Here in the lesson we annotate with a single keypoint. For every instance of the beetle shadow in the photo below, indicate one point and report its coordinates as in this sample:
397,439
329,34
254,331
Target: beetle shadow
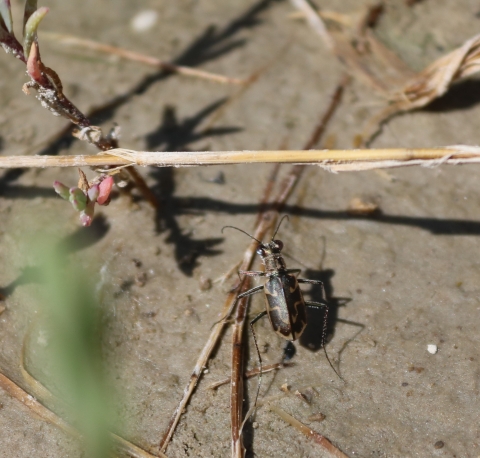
313,336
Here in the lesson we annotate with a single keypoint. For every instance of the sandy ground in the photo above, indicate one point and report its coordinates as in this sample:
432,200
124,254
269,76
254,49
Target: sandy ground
410,275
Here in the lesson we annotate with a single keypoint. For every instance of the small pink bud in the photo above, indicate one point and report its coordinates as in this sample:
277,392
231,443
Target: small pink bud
85,219
78,199
61,190
86,216
33,64
105,190
93,193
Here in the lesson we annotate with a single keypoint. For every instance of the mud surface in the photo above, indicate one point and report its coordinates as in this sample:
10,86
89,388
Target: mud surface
409,276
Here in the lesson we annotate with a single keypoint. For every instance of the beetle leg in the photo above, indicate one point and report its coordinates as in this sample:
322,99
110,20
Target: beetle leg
254,290
252,273
260,315
293,271
251,291
313,282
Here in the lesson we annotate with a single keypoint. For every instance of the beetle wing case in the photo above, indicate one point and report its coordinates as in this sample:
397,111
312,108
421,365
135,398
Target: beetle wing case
285,306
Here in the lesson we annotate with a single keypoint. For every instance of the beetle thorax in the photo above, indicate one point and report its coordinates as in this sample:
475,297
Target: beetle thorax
272,257
274,262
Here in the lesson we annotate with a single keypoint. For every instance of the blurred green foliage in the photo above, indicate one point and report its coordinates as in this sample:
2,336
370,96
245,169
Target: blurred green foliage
72,317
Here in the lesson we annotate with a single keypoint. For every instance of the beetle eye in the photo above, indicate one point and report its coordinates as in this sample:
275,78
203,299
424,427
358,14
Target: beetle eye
261,251
279,244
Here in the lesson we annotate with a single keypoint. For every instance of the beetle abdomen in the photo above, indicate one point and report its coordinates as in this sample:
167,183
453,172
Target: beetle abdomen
285,306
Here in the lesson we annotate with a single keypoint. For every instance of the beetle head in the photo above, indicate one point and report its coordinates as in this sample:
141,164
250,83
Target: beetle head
267,249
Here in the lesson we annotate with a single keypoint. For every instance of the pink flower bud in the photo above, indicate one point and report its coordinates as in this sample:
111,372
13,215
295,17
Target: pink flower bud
93,193
105,190
86,216
62,190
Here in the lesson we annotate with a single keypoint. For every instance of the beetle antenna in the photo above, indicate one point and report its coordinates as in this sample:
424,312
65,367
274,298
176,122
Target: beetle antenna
241,230
279,224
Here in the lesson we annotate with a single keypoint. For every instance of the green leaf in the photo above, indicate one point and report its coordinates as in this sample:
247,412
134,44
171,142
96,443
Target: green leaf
6,15
30,8
71,317
78,199
62,190
30,30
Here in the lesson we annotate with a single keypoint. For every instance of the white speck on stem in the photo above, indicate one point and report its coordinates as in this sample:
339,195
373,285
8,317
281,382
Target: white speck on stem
431,348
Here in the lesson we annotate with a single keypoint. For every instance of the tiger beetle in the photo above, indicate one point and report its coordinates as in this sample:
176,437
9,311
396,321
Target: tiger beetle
284,302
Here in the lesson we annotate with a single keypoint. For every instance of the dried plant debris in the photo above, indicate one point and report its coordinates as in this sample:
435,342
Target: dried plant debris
372,63
428,85
322,441
362,206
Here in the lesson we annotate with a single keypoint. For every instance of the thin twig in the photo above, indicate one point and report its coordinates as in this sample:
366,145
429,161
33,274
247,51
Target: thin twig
339,18
332,160
320,129
309,432
236,386
314,21
70,40
29,401
142,187
252,373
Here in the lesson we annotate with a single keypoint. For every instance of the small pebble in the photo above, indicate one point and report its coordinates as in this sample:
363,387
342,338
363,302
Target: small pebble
439,444
301,396
205,283
431,348
317,417
141,279
285,388
144,21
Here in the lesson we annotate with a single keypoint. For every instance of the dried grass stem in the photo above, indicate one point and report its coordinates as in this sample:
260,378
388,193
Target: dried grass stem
333,160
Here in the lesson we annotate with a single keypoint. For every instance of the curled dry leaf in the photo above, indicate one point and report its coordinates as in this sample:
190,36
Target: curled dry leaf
435,80
428,85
